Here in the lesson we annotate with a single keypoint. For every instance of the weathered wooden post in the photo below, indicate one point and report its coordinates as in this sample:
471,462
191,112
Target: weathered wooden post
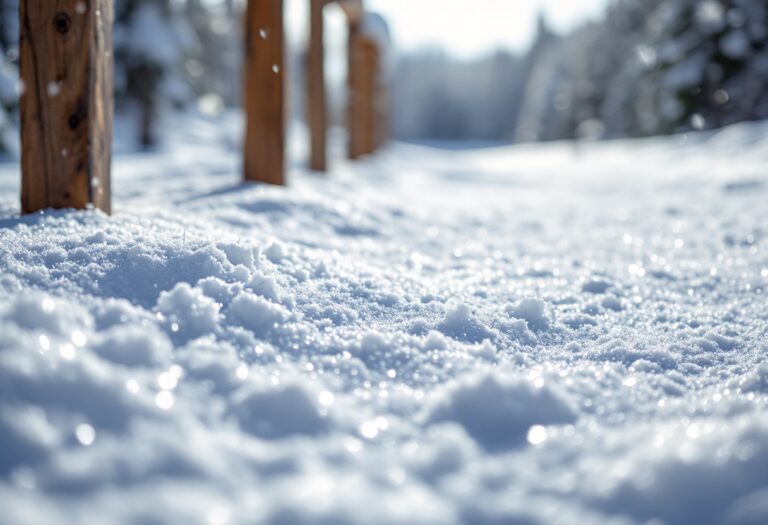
364,57
382,103
66,105
317,106
316,97
264,92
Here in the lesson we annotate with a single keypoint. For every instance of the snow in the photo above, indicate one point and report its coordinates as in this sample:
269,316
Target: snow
375,27
562,333
532,311
498,412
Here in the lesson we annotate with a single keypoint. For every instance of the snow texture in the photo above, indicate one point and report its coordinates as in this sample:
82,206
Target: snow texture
533,335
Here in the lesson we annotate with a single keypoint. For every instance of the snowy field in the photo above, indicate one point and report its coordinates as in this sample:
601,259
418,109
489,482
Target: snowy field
514,336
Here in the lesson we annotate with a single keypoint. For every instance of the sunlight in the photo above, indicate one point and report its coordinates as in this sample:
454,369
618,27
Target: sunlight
464,28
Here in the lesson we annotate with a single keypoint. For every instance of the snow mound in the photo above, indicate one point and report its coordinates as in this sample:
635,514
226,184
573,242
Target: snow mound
460,324
532,311
499,411
130,347
280,411
666,475
188,311
257,314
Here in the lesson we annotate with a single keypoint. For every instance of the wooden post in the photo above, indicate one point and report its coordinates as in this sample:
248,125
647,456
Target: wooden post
317,105
66,106
370,92
264,92
354,148
362,86
382,104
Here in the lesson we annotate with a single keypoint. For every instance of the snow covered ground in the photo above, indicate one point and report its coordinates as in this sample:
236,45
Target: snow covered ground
530,335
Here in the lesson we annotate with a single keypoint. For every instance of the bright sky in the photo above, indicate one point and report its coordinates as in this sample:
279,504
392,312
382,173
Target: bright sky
468,27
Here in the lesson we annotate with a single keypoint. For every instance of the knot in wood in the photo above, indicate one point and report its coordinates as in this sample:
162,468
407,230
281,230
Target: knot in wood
62,23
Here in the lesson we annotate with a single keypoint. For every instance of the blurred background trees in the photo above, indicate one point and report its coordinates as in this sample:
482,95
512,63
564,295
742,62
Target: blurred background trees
152,40
647,67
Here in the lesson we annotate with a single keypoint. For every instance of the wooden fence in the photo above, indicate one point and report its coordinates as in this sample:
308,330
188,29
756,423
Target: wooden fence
66,107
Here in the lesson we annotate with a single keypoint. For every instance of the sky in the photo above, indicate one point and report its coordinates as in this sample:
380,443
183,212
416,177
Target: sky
467,28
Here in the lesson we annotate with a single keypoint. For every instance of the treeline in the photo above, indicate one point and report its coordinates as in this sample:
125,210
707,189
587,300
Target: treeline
648,67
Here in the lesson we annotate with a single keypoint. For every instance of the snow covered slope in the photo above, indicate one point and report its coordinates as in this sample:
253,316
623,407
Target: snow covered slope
529,335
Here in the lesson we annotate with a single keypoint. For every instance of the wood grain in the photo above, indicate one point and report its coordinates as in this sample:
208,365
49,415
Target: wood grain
66,106
264,95
362,80
317,105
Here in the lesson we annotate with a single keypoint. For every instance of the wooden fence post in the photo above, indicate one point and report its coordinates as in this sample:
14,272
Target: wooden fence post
264,92
317,105
66,105
382,103
364,58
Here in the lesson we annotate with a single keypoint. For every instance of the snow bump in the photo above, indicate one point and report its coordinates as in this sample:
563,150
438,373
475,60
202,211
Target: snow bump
280,411
532,311
459,323
498,411
257,314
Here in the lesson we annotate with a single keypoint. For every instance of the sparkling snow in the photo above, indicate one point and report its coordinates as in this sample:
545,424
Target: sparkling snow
530,335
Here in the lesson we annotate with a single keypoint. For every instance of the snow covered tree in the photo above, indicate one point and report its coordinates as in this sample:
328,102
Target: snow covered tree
592,82
713,62
152,40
